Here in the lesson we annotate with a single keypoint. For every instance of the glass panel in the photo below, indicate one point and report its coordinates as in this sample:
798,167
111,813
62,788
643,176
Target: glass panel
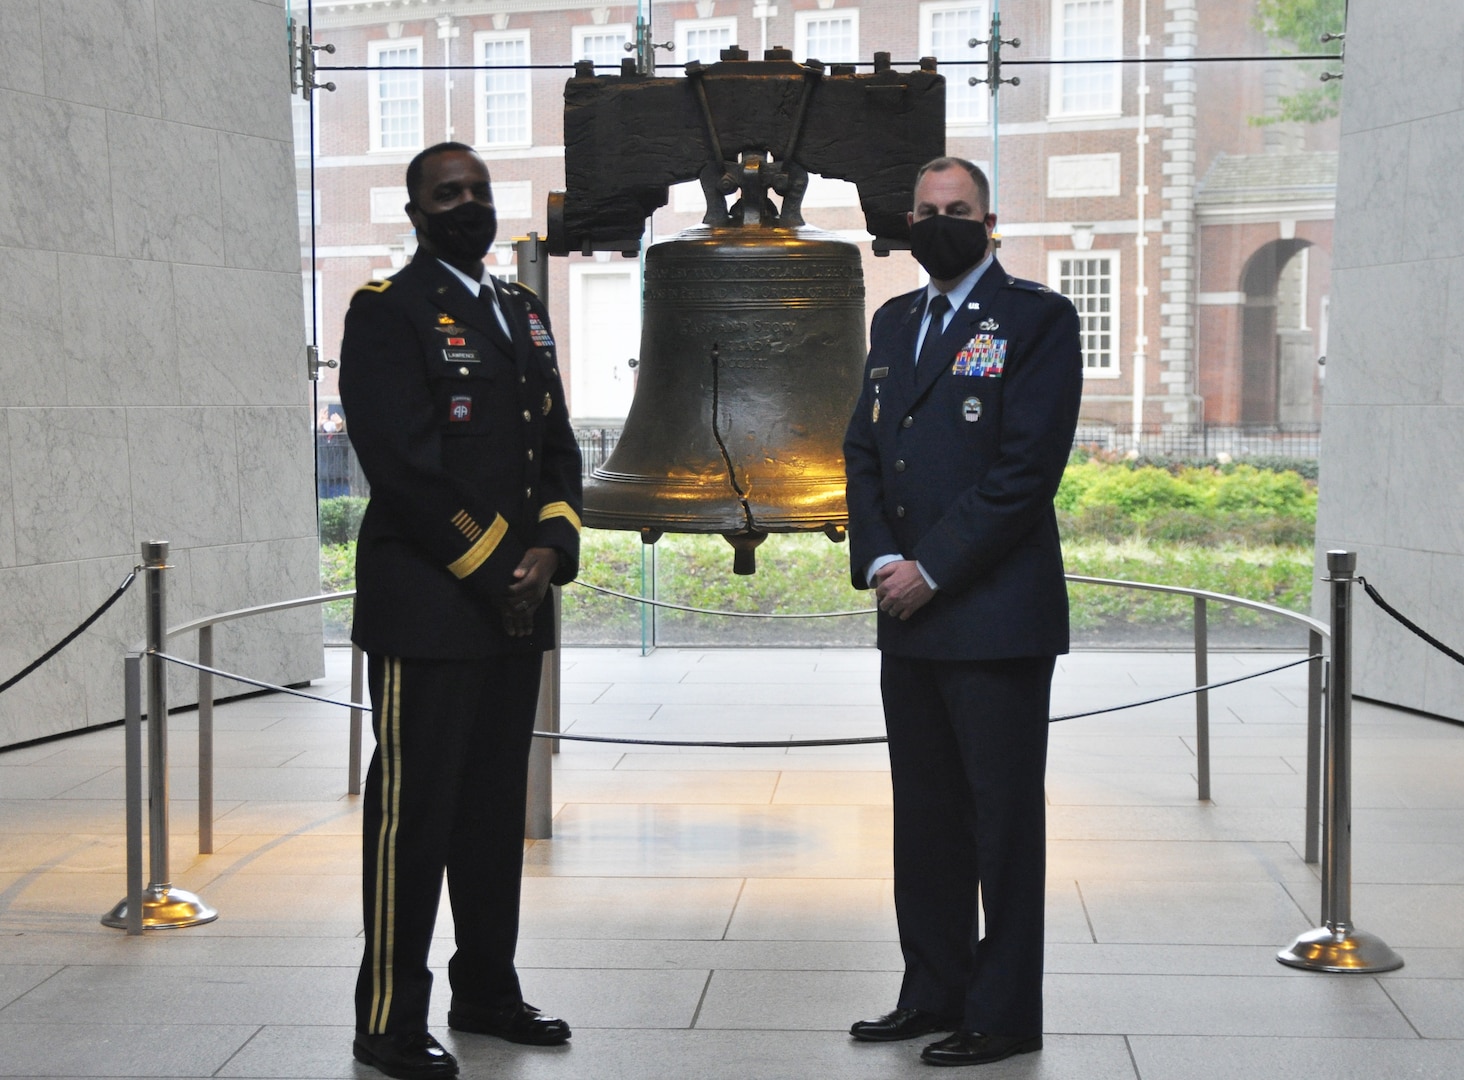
1185,206
1171,170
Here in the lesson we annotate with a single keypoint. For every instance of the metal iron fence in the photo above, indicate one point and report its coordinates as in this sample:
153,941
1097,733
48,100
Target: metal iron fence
339,473
1204,442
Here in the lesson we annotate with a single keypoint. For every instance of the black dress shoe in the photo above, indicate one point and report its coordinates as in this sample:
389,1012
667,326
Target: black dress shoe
411,1055
973,1048
902,1024
519,1023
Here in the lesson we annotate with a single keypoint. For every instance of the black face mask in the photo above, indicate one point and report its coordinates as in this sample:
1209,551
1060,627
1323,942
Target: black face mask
948,246
461,234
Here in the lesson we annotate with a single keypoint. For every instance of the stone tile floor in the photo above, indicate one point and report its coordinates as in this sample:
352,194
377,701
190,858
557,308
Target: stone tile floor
727,913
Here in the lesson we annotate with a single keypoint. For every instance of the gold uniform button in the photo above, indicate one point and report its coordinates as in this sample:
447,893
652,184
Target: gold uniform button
899,511
528,493
462,371
907,422
528,416
522,380
531,455
900,465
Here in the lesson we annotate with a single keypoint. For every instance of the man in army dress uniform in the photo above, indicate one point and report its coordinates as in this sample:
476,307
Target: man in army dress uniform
953,454
451,386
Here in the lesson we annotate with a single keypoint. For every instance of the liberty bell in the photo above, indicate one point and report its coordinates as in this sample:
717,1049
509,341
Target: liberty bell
753,338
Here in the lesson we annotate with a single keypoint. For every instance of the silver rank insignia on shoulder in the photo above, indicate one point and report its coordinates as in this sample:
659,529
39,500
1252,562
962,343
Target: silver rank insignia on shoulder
971,410
989,324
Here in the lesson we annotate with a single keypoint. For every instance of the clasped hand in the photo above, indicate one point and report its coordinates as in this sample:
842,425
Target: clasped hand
900,589
531,580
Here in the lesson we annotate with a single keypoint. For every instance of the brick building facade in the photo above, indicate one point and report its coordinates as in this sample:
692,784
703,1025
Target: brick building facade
1194,240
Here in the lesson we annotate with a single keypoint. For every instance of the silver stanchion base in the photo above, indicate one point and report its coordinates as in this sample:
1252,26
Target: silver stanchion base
1341,948
163,908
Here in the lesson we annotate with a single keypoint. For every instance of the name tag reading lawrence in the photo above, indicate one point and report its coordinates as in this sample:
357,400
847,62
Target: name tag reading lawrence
879,372
461,356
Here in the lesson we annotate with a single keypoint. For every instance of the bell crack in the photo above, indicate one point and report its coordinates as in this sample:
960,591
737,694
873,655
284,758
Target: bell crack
749,525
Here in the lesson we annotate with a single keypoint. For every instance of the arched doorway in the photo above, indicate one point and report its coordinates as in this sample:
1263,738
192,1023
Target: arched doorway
1279,381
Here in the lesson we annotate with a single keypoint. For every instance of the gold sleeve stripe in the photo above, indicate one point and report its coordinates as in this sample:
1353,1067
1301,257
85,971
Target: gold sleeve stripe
560,509
478,554
466,525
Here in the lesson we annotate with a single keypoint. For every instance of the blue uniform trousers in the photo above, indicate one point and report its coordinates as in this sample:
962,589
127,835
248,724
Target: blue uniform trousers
968,750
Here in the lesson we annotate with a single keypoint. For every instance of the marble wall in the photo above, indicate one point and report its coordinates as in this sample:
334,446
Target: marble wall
1392,469
152,371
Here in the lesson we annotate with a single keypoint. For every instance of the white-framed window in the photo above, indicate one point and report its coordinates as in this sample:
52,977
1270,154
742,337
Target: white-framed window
300,116
1082,29
307,207
831,36
1090,280
603,45
503,89
396,96
946,28
314,317
703,40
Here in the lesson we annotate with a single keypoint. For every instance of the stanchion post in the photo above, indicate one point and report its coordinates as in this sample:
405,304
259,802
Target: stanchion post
539,811
1314,682
1337,945
1202,699
132,754
358,687
532,257
556,674
162,905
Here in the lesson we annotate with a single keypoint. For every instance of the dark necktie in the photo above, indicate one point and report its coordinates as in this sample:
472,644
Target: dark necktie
489,296
930,350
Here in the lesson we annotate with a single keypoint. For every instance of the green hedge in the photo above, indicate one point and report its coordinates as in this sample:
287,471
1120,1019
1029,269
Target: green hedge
1142,493
340,518
1233,529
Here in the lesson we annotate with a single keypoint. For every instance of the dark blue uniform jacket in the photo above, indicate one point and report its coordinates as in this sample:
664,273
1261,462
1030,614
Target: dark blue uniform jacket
956,465
465,439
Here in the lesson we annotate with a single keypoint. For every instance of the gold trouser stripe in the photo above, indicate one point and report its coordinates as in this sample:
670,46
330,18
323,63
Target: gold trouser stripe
478,554
560,509
384,917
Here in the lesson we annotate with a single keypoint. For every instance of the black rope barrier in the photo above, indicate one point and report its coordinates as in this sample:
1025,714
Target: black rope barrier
1377,598
69,638
741,744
